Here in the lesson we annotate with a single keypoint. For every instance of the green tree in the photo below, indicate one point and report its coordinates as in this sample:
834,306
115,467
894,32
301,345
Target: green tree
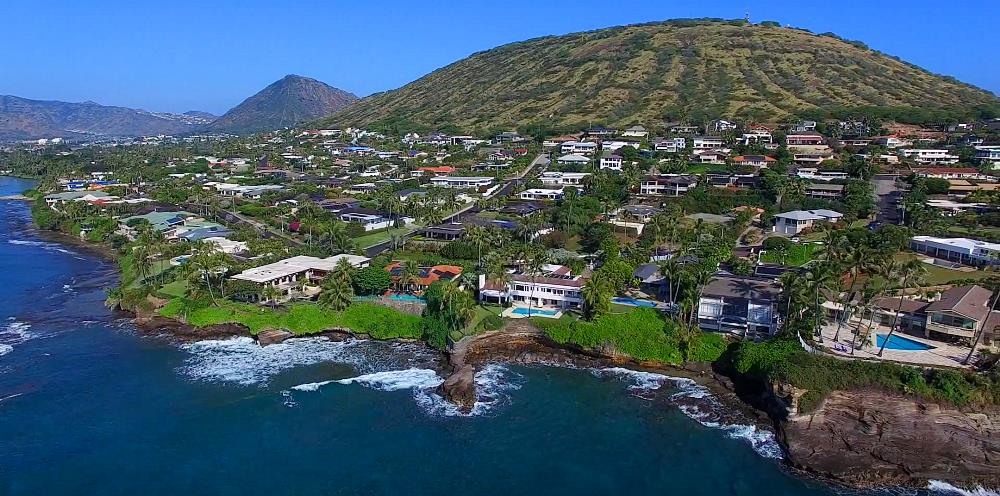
371,281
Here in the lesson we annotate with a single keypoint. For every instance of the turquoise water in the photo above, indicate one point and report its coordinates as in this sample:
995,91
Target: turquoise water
897,342
87,406
633,302
534,311
407,297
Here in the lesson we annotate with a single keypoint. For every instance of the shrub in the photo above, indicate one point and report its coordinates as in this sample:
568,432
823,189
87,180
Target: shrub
642,334
777,243
491,322
707,347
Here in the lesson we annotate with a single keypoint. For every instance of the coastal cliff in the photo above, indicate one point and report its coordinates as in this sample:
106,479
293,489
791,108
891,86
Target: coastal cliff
876,438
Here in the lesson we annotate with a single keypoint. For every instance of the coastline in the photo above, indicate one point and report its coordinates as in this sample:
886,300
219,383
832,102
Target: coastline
520,343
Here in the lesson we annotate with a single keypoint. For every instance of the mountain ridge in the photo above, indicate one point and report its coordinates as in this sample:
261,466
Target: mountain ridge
650,72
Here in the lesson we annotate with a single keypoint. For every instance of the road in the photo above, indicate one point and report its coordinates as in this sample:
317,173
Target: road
504,190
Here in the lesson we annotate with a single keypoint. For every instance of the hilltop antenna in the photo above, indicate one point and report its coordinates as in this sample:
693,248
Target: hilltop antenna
746,16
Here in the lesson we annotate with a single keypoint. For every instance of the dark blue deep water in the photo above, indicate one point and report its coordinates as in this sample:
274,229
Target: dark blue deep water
87,406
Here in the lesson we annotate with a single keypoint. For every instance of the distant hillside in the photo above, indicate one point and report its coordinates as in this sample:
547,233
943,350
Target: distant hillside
289,101
21,118
684,69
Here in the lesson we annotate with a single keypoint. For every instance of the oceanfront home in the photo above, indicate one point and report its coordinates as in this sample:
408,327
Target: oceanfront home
954,316
284,274
796,221
555,287
961,250
739,305
424,277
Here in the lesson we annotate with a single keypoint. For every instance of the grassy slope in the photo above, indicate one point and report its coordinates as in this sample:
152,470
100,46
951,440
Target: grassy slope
643,73
302,318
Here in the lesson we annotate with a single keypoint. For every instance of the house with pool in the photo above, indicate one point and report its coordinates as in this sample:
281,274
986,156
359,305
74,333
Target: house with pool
954,316
285,275
555,287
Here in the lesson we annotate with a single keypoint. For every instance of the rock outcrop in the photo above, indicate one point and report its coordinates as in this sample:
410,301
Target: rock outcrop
460,388
869,439
272,336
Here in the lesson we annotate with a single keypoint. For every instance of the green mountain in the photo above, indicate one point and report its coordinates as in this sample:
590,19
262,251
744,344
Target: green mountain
681,69
289,101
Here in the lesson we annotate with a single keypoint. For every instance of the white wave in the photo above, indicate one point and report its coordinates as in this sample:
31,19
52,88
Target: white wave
641,381
13,334
946,488
311,386
41,244
706,411
494,383
394,380
241,360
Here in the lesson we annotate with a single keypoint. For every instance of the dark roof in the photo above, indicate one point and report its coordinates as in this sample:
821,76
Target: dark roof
451,228
521,208
909,306
968,301
645,271
743,287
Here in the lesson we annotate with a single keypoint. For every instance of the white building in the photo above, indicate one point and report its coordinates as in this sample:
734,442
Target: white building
542,194
667,185
555,287
794,222
739,305
580,147
610,160
461,182
962,250
989,155
636,132
283,274
563,178
928,156
669,145
814,174
706,142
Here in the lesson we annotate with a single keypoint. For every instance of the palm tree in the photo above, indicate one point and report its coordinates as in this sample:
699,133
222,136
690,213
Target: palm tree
337,293
982,325
698,277
343,271
820,276
596,297
410,275
910,272
476,235
671,270
271,293
874,288
859,258
457,307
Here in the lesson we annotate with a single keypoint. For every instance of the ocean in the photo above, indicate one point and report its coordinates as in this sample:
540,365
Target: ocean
88,406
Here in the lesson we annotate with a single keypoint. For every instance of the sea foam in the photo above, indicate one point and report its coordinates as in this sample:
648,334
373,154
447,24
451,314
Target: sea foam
13,334
946,488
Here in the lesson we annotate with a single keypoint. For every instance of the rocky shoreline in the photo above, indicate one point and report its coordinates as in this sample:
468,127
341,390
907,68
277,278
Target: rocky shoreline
856,439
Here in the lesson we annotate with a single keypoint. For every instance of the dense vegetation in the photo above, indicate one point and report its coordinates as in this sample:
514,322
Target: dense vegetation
676,70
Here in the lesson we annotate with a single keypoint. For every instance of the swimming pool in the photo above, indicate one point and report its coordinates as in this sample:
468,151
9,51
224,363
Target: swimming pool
407,298
897,342
534,311
632,302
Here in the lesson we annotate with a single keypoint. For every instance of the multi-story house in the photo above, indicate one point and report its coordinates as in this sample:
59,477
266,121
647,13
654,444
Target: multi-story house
739,305
563,178
667,185
927,156
555,287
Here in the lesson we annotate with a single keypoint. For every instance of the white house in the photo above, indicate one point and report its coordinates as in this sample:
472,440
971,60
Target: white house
794,222
611,160
580,147
929,156
283,274
461,182
817,175
988,155
555,287
563,178
706,142
962,250
542,194
667,185
669,145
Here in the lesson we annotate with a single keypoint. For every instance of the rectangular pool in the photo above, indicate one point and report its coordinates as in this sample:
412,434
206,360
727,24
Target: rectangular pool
534,311
632,302
897,342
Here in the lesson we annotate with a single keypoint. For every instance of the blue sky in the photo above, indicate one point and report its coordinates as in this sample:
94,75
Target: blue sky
187,55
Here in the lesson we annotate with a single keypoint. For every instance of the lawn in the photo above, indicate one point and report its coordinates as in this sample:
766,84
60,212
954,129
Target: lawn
376,321
380,236
174,289
705,169
937,275
796,256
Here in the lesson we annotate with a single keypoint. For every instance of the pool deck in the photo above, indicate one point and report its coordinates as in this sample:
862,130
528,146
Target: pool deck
943,354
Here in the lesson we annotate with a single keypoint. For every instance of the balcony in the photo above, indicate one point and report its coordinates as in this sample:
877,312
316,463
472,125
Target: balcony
950,330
